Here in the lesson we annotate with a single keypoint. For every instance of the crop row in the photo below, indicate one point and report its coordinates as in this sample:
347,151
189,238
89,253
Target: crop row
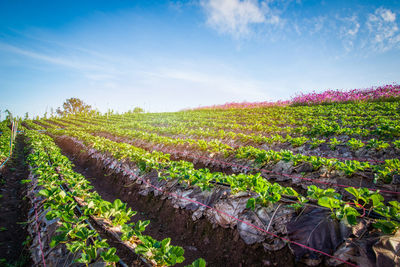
370,113
384,172
275,139
54,172
266,120
4,141
259,158
258,139
361,114
222,146
265,192
313,128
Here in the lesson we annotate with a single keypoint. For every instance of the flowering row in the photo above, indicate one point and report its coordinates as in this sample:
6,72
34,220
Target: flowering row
380,93
383,93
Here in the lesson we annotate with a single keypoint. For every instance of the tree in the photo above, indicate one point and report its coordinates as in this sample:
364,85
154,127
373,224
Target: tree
138,110
9,115
73,106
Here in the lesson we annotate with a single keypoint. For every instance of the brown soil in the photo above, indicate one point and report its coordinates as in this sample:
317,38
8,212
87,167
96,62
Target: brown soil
14,209
218,246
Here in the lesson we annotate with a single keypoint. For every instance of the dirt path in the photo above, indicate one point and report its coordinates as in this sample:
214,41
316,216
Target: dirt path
13,209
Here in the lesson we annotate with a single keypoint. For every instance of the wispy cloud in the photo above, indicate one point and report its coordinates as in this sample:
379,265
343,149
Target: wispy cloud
70,63
101,71
230,84
383,29
319,23
352,27
235,17
348,31
89,64
377,31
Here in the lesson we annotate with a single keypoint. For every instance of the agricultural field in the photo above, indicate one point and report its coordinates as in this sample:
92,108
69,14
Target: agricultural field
314,181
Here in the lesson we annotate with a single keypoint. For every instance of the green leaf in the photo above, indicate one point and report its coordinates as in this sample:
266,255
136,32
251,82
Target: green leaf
109,255
290,191
251,203
44,192
395,204
388,227
165,242
85,258
62,194
328,202
377,200
353,191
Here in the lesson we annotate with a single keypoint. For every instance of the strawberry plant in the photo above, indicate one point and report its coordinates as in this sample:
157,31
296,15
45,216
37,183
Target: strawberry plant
316,142
355,144
333,143
161,253
317,193
198,263
377,144
397,144
131,232
392,214
298,141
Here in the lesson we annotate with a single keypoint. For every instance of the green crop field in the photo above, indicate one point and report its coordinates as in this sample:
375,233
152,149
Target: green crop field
315,180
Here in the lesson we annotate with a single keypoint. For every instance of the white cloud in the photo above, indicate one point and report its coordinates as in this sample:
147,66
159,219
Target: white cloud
383,29
352,31
387,15
234,17
348,29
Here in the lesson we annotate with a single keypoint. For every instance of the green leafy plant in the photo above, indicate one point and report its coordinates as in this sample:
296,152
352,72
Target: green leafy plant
160,252
298,141
200,262
377,144
333,143
131,232
355,144
397,144
316,193
109,256
316,142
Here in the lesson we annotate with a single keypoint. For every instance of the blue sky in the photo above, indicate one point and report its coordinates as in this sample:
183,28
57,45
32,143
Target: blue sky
170,55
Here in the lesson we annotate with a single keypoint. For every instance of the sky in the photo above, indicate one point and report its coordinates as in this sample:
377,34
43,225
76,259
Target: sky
171,55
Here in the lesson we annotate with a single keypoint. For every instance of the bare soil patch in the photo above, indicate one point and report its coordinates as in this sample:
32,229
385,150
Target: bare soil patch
13,209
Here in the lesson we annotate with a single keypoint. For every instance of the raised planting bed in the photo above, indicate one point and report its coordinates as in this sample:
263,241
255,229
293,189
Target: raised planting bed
274,234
